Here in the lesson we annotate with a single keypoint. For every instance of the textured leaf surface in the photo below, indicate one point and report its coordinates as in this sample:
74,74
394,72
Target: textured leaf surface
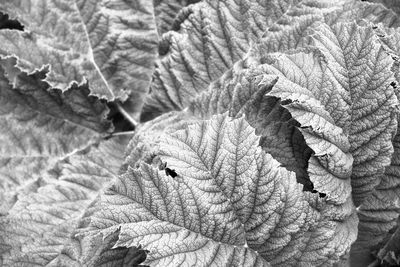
211,39
214,35
351,80
41,125
392,4
231,204
294,28
345,90
304,98
241,91
168,14
112,44
379,213
39,224
363,70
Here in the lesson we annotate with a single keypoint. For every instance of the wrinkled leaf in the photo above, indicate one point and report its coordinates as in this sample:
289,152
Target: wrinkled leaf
230,198
392,4
169,13
39,224
379,213
41,125
363,69
211,39
111,44
352,81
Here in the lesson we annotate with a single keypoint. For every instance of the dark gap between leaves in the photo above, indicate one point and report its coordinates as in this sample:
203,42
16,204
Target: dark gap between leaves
11,24
121,124
321,195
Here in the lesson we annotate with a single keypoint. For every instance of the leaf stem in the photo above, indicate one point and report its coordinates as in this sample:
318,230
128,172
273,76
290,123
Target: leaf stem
127,115
123,133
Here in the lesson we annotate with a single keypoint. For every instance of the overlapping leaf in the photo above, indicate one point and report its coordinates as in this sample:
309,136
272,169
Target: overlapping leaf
293,30
392,4
357,74
39,225
307,24
40,125
379,215
210,41
230,198
166,13
380,212
204,49
111,44
318,95
363,69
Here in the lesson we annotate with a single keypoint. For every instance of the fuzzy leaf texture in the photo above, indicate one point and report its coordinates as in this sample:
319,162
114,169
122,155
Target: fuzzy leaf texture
268,136
111,44
38,226
313,88
41,125
231,204
212,36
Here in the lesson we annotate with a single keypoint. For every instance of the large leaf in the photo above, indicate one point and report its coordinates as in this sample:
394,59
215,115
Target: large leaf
40,125
111,44
353,82
209,41
379,214
363,69
213,35
242,90
335,43
329,168
230,204
40,223
293,30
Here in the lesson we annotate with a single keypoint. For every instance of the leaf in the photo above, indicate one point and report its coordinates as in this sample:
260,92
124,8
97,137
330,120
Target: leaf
142,145
314,24
169,13
392,4
241,91
203,48
363,69
345,90
42,125
288,107
231,204
111,44
380,212
329,93
210,41
96,250
40,223
294,28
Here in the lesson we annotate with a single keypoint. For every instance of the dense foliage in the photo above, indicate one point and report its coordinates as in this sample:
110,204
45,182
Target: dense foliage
199,133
